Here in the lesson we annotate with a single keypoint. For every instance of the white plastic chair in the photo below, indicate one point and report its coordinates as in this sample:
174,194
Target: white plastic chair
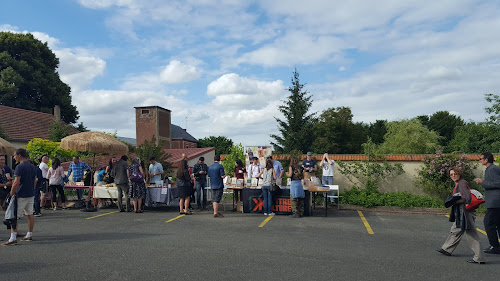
335,194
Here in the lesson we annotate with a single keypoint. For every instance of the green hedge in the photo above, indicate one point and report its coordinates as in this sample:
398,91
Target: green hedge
362,197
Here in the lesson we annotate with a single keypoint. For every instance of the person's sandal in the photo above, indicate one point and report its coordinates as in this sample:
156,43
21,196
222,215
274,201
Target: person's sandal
188,213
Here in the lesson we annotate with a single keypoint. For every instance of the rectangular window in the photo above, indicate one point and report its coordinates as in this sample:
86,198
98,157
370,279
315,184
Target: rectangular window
145,111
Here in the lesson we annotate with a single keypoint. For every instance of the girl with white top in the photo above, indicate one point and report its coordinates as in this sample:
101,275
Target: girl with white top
55,176
268,175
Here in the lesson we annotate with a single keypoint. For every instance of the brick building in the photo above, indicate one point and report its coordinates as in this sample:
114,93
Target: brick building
155,121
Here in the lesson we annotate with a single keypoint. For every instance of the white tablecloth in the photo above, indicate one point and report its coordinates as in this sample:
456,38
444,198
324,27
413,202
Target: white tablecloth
105,192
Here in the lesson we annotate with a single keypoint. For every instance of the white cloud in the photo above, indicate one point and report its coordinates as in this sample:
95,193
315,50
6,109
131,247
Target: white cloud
178,72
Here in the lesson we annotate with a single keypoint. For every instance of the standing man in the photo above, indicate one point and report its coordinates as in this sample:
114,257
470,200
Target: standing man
327,164
24,184
491,184
119,173
278,169
155,170
78,168
44,180
200,171
5,179
309,165
254,168
216,174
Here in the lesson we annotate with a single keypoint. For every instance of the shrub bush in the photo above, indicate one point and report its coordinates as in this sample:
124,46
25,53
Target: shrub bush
367,198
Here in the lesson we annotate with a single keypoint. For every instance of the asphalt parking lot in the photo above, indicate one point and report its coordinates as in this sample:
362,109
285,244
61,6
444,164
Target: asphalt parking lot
161,245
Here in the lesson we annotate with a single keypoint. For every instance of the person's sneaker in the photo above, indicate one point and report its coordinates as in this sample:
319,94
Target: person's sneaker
55,209
271,214
37,215
9,243
478,262
265,214
27,239
492,250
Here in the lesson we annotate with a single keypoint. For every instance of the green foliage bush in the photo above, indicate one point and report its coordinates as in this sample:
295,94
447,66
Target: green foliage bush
237,152
434,176
38,147
367,198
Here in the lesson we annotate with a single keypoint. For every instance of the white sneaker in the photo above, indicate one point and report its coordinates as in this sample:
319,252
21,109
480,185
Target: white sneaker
271,214
265,214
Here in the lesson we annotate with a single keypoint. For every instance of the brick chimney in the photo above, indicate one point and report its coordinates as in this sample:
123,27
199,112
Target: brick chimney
57,113
153,121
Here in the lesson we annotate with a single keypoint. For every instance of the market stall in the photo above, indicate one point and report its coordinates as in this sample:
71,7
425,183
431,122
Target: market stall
253,202
164,194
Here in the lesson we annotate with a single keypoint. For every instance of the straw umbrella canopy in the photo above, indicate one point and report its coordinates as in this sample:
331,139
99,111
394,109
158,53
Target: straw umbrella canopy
6,148
95,142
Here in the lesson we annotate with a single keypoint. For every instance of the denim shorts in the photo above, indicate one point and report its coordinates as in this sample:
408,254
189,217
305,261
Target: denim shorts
217,195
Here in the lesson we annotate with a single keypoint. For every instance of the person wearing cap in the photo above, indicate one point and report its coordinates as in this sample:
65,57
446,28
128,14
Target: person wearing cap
200,171
309,166
155,170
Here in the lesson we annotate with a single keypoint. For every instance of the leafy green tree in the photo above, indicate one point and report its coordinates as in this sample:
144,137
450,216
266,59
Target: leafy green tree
150,148
222,144
58,131
296,130
237,152
493,109
443,123
80,127
336,133
476,138
409,137
29,78
377,131
38,147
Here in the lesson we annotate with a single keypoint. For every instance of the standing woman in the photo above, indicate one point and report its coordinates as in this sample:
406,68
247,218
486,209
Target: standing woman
297,193
138,188
55,176
464,221
268,175
109,168
240,173
183,182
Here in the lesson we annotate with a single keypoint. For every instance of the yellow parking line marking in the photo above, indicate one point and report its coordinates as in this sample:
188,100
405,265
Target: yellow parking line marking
365,222
178,217
265,221
102,215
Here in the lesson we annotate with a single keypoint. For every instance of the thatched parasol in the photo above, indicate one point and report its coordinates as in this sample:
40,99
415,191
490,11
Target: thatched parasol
6,148
95,142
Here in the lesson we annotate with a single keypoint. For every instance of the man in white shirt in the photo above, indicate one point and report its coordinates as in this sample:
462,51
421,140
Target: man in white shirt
254,168
327,164
45,181
155,170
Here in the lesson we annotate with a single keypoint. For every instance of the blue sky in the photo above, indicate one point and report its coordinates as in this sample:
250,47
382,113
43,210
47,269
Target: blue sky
225,64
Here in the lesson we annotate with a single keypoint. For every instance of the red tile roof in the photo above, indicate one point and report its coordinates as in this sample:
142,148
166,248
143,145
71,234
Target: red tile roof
24,125
176,154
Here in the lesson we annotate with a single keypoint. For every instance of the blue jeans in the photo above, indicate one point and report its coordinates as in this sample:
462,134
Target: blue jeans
36,202
268,199
200,187
328,180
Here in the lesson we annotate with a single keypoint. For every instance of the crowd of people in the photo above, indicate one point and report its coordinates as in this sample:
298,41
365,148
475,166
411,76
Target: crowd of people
25,190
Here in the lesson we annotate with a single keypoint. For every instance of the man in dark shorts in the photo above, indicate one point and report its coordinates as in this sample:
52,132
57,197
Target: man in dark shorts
216,174
24,184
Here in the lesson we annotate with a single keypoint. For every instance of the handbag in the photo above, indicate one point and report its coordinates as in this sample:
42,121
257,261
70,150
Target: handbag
136,176
476,200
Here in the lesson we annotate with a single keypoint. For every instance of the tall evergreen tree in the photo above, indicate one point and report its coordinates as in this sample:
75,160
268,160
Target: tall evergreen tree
29,78
296,130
